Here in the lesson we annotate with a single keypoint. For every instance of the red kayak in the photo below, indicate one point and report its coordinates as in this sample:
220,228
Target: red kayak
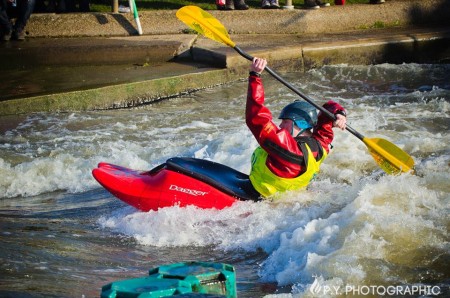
179,181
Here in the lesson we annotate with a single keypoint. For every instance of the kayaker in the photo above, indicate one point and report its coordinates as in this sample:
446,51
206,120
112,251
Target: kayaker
289,155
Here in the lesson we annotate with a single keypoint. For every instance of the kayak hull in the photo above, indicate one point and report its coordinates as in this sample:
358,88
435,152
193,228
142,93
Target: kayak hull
172,184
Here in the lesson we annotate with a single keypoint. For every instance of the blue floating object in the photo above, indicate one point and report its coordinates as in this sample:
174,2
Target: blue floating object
204,277
145,287
186,279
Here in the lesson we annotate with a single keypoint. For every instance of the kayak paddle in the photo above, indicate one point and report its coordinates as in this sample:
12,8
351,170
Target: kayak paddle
388,156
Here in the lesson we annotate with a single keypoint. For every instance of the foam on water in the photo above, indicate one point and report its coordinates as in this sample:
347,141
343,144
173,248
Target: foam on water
377,231
57,152
353,225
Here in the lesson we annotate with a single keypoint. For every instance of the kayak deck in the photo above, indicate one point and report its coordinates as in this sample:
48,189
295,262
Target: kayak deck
178,181
222,177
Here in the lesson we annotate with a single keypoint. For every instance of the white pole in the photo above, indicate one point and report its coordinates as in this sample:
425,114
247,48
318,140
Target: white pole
136,18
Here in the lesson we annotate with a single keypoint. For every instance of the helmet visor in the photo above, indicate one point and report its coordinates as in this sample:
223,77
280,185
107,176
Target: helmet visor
302,124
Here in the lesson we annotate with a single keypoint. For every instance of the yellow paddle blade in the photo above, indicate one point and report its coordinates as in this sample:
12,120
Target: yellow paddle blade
205,24
389,157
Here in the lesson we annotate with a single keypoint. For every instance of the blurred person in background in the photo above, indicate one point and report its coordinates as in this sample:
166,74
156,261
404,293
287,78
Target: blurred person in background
20,10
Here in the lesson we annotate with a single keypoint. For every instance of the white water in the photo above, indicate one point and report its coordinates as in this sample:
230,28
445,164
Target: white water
353,225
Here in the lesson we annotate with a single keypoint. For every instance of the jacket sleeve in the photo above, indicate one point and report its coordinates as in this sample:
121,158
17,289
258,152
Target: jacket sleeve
260,122
323,131
257,116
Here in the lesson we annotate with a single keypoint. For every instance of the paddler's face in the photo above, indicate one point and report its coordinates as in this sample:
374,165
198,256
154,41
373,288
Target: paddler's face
288,124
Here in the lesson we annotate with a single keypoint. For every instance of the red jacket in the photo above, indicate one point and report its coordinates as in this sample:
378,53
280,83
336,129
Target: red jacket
259,121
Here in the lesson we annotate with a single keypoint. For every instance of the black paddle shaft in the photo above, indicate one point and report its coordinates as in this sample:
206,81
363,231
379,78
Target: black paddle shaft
298,92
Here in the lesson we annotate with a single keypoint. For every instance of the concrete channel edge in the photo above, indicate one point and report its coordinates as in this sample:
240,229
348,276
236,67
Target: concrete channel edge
397,49
118,96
